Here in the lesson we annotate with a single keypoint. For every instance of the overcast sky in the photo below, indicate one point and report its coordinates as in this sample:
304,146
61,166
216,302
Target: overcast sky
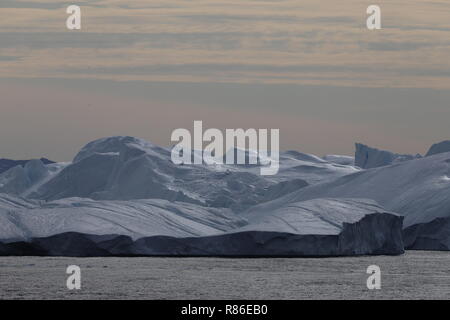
143,68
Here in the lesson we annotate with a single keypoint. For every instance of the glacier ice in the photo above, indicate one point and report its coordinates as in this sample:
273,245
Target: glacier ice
123,196
340,159
441,147
367,157
6,164
160,227
433,235
127,168
416,189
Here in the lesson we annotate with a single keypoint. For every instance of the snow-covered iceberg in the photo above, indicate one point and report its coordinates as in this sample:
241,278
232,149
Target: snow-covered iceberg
123,195
441,147
127,168
6,164
340,159
418,189
433,235
160,227
367,157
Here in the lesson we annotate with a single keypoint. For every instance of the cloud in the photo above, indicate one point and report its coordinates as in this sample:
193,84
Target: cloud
239,41
49,5
401,46
9,58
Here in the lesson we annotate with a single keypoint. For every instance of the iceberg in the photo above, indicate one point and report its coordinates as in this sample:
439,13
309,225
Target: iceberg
6,164
433,235
441,147
367,157
83,227
124,196
128,168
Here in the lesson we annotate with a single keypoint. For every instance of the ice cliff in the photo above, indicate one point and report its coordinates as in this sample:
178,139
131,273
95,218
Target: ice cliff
367,157
160,227
441,147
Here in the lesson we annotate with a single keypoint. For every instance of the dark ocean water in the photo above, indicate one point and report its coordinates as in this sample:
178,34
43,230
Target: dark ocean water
415,275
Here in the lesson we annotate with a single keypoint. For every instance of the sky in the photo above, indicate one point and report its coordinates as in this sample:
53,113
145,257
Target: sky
144,68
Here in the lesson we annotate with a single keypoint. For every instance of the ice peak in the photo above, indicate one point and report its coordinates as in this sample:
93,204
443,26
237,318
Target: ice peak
440,147
367,157
124,145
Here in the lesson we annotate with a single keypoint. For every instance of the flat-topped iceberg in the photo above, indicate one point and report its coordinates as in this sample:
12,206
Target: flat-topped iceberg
160,227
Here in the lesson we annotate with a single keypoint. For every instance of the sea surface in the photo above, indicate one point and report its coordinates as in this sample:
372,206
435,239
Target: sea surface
414,275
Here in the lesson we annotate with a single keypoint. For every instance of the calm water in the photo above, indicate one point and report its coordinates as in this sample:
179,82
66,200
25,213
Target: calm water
415,275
